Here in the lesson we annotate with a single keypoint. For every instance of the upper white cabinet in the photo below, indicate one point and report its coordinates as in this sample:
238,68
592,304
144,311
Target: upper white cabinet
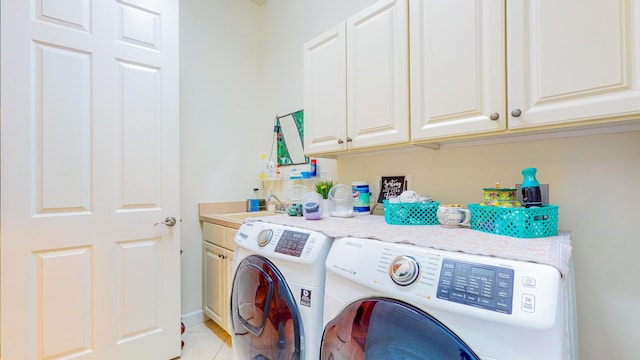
457,68
572,61
566,63
357,82
325,92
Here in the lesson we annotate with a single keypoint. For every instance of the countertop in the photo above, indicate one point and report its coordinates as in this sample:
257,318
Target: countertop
229,214
551,250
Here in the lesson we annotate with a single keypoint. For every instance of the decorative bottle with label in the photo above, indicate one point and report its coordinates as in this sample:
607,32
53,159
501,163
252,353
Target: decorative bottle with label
531,195
313,165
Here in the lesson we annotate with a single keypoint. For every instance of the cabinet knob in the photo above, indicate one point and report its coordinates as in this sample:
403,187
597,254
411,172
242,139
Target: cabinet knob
340,141
349,139
494,116
516,113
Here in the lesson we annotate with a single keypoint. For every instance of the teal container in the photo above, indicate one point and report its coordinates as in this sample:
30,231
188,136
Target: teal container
516,222
530,177
411,213
531,194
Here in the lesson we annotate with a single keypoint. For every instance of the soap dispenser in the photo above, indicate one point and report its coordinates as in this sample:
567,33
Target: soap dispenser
531,194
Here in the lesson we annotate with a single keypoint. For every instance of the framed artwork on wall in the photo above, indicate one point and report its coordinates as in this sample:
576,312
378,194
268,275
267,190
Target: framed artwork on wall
290,132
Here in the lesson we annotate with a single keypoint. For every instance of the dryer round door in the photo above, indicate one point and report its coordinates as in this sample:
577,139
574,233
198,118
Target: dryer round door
381,328
265,318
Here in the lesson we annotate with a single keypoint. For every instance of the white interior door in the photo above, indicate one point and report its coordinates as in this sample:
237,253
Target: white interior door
90,143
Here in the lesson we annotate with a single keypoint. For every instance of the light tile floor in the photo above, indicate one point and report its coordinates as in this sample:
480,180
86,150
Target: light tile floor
206,341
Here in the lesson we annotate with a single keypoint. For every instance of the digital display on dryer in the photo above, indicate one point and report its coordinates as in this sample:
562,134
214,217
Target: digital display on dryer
292,243
484,286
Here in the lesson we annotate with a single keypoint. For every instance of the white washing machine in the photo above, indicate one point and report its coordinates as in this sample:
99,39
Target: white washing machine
278,292
397,301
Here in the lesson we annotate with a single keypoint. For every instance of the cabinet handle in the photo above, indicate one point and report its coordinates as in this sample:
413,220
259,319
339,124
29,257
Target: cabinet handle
349,139
340,141
516,113
494,116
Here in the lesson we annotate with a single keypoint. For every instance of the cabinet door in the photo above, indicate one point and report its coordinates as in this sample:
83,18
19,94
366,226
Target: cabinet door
572,60
378,75
325,108
228,263
457,68
214,283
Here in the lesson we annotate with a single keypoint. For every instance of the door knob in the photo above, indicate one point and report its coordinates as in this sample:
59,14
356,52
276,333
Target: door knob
169,221
516,113
494,116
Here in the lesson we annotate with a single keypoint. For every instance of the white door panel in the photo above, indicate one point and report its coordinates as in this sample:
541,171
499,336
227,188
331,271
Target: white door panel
139,136
90,143
61,162
63,271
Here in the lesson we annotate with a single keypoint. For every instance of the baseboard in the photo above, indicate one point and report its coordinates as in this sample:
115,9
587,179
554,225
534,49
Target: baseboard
194,318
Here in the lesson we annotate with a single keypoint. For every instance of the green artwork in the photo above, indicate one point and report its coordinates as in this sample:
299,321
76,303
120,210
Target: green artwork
291,139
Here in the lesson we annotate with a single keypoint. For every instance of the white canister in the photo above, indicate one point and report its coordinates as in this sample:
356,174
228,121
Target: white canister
360,193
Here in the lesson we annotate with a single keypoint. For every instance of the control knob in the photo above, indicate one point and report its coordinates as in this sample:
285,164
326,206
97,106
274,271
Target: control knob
264,237
404,270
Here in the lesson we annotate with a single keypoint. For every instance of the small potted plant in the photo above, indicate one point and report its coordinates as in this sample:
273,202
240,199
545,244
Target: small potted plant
323,187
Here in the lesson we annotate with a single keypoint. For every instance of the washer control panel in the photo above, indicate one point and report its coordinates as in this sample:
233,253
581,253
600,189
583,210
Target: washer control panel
499,290
292,243
480,285
283,242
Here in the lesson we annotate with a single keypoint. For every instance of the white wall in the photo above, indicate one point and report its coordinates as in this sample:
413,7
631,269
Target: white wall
223,122
594,179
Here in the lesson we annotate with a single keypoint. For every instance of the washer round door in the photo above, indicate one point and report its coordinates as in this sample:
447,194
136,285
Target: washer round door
265,318
381,328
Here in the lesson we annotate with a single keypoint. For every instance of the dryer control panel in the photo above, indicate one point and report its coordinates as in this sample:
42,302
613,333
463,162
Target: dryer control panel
479,285
283,242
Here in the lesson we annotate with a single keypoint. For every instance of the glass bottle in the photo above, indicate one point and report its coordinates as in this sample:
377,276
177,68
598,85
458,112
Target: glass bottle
531,195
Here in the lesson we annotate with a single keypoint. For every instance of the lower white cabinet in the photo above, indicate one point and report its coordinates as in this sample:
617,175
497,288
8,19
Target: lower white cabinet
217,276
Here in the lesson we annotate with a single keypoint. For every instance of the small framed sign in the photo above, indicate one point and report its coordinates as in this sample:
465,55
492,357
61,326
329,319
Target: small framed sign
391,186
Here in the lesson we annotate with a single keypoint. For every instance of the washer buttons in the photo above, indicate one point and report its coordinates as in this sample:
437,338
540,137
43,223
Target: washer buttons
528,303
529,282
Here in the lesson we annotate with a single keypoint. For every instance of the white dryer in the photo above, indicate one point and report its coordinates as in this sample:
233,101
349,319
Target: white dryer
278,291
397,301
